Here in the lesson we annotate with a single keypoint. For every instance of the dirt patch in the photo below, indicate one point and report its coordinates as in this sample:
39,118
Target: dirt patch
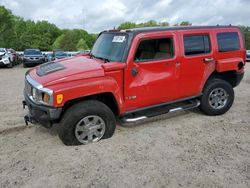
186,149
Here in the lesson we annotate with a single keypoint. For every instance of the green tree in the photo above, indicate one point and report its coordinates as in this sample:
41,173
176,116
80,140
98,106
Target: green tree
82,45
246,32
6,27
127,25
58,42
164,24
70,39
185,23
17,33
150,23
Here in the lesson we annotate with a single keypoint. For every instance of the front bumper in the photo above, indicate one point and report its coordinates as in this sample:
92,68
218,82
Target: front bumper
40,114
29,62
4,62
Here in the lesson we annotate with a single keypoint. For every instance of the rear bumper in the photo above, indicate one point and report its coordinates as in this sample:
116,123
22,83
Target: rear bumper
39,114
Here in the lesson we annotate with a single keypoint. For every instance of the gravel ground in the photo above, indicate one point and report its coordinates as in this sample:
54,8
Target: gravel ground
186,149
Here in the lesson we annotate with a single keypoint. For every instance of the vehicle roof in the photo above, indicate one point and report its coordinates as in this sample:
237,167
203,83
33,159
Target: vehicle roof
32,49
152,29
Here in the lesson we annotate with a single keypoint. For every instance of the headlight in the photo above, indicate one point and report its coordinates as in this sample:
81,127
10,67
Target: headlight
46,98
42,96
34,93
38,93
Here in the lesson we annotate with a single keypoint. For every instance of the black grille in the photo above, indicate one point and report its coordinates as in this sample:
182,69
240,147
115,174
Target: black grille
48,68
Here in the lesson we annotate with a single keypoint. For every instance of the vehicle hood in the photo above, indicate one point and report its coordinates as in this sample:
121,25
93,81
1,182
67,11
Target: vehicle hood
67,70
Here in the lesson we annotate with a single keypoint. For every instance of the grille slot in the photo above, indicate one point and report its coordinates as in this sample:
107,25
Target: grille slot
49,68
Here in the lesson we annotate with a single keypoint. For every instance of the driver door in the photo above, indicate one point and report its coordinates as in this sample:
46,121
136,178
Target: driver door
153,70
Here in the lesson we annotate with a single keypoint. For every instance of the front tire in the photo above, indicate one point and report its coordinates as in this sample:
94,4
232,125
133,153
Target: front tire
86,122
218,97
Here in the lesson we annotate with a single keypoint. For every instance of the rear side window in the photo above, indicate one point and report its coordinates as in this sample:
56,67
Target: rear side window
228,41
197,44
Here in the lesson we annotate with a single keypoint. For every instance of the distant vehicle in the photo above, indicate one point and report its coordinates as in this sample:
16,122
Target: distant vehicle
10,55
248,55
32,57
48,57
59,54
81,53
14,57
5,58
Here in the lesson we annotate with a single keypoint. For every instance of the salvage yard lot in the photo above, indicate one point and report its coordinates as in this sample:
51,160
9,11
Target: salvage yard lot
186,149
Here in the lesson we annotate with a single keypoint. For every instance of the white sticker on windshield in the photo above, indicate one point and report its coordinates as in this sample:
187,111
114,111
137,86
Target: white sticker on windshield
119,39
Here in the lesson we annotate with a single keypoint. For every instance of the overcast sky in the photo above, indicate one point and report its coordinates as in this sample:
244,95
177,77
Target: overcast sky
97,15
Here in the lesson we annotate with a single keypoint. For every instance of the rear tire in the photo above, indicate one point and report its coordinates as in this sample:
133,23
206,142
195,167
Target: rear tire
218,97
75,131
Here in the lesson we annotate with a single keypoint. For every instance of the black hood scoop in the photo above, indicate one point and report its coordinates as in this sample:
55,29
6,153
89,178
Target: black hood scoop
48,68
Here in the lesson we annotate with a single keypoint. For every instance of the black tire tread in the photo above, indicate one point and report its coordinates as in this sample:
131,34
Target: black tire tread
78,111
211,84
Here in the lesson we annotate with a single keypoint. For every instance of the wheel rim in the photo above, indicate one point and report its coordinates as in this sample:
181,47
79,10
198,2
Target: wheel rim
90,129
218,98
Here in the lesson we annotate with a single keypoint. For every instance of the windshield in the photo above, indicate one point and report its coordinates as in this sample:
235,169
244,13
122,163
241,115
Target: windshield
32,52
2,50
110,46
60,53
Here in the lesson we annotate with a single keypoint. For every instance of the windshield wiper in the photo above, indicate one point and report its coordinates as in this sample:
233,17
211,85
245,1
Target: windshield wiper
102,58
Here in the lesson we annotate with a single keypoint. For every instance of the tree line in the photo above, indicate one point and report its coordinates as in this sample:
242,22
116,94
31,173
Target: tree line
129,25
19,34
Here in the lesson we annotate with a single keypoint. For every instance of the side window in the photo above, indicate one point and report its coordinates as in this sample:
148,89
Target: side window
154,49
197,44
228,41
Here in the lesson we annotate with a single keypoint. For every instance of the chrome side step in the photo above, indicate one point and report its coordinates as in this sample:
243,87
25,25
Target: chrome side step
155,112
130,120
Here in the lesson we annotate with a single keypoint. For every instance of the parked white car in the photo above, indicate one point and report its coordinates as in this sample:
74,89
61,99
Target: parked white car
248,55
5,59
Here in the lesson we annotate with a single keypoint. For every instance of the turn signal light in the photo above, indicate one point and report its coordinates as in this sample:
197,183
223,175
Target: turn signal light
59,98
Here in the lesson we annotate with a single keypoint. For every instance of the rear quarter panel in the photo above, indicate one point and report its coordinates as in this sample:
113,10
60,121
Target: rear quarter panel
228,61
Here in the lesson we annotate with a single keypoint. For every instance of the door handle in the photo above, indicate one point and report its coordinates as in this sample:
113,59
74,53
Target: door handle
208,60
134,71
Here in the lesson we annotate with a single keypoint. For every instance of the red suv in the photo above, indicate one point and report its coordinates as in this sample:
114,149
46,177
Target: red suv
135,74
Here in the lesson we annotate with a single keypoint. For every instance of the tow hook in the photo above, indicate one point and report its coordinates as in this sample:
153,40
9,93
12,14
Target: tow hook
27,119
24,104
